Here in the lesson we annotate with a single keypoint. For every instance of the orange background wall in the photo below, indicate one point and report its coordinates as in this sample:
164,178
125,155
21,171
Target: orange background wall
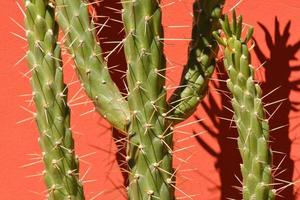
211,160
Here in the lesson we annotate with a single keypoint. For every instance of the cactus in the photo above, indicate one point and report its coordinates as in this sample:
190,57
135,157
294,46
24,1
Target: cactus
52,115
201,60
146,116
249,114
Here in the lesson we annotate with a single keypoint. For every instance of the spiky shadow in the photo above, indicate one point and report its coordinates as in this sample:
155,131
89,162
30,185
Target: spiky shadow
228,159
277,73
107,16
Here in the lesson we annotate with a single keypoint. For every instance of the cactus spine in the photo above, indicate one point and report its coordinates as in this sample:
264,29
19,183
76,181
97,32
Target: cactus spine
50,95
249,113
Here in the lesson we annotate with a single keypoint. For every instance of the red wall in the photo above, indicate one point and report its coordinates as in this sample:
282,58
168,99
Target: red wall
212,160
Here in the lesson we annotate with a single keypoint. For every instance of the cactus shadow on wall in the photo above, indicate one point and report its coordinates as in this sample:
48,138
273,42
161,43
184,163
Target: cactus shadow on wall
277,73
228,159
108,22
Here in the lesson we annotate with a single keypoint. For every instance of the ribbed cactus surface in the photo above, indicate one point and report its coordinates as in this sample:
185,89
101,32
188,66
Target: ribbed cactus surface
50,96
249,114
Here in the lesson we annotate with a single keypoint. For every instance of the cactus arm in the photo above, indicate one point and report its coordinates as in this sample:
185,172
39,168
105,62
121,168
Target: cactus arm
61,172
201,61
73,18
150,140
249,113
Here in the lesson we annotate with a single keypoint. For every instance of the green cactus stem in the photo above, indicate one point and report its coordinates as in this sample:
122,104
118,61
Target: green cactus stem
149,142
201,61
91,67
249,114
52,115
151,121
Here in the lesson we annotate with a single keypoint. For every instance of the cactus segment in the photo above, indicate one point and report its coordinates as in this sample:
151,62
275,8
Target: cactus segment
201,62
149,149
80,39
52,115
249,112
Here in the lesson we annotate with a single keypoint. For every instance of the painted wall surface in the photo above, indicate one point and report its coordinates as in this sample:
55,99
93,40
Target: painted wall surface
208,166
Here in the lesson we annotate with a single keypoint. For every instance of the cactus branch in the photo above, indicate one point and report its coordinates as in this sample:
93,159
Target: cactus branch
201,62
249,112
50,95
73,17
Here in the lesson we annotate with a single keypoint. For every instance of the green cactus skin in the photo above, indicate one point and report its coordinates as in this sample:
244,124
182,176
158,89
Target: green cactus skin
149,150
249,114
201,61
50,95
73,18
